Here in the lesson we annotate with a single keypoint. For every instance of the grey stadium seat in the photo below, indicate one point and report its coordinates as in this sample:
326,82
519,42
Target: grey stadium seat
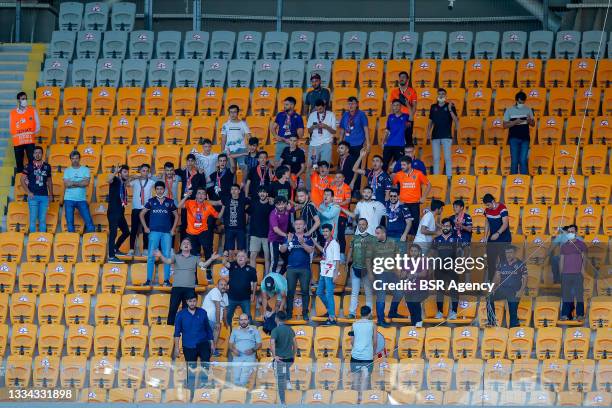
83,73
433,45
187,73
292,73
160,72
460,44
196,45
405,45
265,72
513,44
593,44
70,16
141,44
380,45
214,72
55,72
88,44
540,44
133,73
248,45
327,45
487,44
123,15
301,44
321,67
354,44
222,44
168,44
567,44
108,72
95,16
62,44
275,45
239,73
114,44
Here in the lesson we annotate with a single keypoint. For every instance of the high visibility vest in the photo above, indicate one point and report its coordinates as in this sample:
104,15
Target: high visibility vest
23,125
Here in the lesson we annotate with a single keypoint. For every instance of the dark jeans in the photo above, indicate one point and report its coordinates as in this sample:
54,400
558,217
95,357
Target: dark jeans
201,241
512,311
495,254
415,312
178,296
391,153
276,255
342,221
355,150
137,228
282,376
304,276
415,213
201,350
519,153
245,305
20,153
116,221
554,265
572,288
235,239
408,134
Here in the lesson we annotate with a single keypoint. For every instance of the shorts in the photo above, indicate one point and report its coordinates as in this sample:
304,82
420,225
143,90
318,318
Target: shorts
322,152
241,161
358,365
257,244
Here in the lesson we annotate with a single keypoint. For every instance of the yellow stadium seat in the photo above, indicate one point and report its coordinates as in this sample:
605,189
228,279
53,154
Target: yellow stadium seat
11,246
304,337
588,101
75,101
544,189
463,188
439,373
566,161
429,397
86,276
524,378
529,72
394,67
602,131
167,153
50,308
410,342
31,277
139,155
47,129
239,97
437,342
537,100
161,341
504,98
296,93
502,73
578,130
561,101
103,101
122,129
259,127
206,395
465,342
184,101
102,371
157,370
373,397
486,160
546,311
121,395
345,397
340,99
588,219
95,245
39,247
327,341
451,73
599,398
496,376
478,101
494,342
95,129
233,396
59,156
4,307
456,397
58,277
131,371
494,133
148,130
534,219
582,72
576,343
426,97
134,340
371,73
48,100
327,374
107,309
312,397
73,370
22,307
423,73
580,375
470,130
106,340
600,313
79,340
3,338
176,130
540,160
262,396
93,395
90,156
23,339
603,337
18,217
384,375
344,73
157,100
263,102
68,129
77,308
371,101
469,374
594,160
477,73
133,309
202,127
556,73
456,96
571,189
158,308
419,130
18,371
51,339
548,344
516,190
210,101
129,100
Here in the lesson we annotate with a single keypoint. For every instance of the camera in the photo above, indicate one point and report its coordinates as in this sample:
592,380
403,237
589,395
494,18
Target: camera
451,4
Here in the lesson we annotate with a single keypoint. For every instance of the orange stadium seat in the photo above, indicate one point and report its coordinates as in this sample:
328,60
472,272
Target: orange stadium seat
47,127
561,101
524,379
478,101
537,100
157,100
451,73
344,73
51,339
580,375
604,72
371,101
516,190
121,395
58,277
578,130
93,395
95,129
202,127
18,217
102,370
425,98
465,342
133,309
556,73
139,155
176,130
90,156
548,344
486,160
371,73
129,101
79,340
23,338
148,130
503,72
31,277
8,275
491,184
424,73
296,93
565,159
588,219
103,101
582,72
494,342
394,67
77,308
73,370
130,372
461,159
113,155
107,309
456,96
122,129
598,189
18,371
571,189
529,72
340,99
11,246
600,316
470,130
477,73
210,101
540,160
494,133
463,188
106,340
48,100
39,247
114,278
68,129
239,97
588,101
134,339
504,98
602,131
184,101
263,102
167,153
75,101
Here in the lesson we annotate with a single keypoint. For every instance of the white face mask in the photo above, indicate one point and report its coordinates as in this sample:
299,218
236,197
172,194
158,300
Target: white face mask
23,103
520,104
441,99
571,235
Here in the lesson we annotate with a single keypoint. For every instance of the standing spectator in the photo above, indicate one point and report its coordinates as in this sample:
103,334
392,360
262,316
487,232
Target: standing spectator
354,128
329,212
373,211
299,248
242,286
345,165
497,232
342,197
398,220
163,221
411,192
319,181
171,182
287,123
572,266
215,303
207,161
281,187
415,297
185,275
462,223
283,347
234,135
330,258
395,134
24,125
317,93
279,227
428,227
294,158
38,185
191,181
517,119
142,187
234,216
192,324
446,246
359,272
408,99
308,213
200,212
510,279
251,159
322,128
117,201
557,242
76,180
442,115
244,342
363,344
222,180
378,179
260,210
274,284
417,164
259,176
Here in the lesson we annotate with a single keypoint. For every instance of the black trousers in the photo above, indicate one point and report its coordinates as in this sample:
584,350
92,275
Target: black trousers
303,276
342,221
116,221
183,224
178,296
20,153
201,350
277,255
495,254
201,241
137,228
391,153
282,376
234,239
408,134
415,212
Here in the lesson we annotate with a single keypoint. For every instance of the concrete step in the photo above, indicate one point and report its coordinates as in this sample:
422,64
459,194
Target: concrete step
15,56
12,66
11,76
15,48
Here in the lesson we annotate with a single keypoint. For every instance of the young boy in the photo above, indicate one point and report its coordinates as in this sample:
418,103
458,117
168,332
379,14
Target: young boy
295,159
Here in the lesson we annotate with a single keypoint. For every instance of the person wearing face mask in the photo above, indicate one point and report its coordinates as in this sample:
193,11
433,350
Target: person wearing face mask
287,123
572,264
356,259
317,93
322,128
24,125
442,115
394,140
37,183
398,220
517,119
408,99
244,342
557,242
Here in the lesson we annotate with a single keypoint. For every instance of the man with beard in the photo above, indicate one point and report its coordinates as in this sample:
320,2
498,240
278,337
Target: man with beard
446,246
411,193
117,201
299,248
354,128
222,180
407,97
322,128
378,179
199,212
215,303
308,213
373,211
244,342
287,123
394,140
38,185
260,210
345,165
317,93
142,189
319,181
191,180
398,220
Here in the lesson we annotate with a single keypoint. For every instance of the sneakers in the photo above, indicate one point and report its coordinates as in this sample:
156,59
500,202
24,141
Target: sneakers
419,324
564,318
305,317
396,316
115,260
384,324
351,316
439,315
452,316
167,283
580,318
147,283
328,323
131,252
119,253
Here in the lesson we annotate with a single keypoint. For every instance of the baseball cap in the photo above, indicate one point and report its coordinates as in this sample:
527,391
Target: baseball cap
315,76
269,283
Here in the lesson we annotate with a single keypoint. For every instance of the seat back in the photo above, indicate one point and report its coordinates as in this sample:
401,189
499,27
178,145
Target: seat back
195,45
486,45
275,45
114,44
141,44
222,44
513,44
248,45
168,44
123,15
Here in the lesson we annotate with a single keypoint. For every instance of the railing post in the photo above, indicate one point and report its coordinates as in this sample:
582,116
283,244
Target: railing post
411,15
279,15
18,21
148,14
197,15
545,15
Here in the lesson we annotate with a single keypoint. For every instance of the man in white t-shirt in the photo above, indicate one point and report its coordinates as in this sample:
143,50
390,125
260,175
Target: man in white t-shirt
234,136
371,210
428,228
330,259
206,162
322,128
215,302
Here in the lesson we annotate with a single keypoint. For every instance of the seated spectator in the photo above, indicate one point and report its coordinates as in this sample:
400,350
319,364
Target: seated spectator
244,342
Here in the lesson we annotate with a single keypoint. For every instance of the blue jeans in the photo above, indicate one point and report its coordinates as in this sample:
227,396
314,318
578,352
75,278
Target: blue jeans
435,150
519,150
325,290
38,206
83,209
155,239
245,305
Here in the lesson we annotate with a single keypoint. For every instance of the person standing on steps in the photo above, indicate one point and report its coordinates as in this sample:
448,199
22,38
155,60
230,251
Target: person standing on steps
117,201
37,183
24,125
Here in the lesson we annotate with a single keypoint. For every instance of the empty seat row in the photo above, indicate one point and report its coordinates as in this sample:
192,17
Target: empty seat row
94,16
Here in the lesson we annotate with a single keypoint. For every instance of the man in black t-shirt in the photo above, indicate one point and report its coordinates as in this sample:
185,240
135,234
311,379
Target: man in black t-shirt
221,180
442,115
295,159
36,182
281,187
242,286
259,176
117,201
345,166
260,210
233,214
308,213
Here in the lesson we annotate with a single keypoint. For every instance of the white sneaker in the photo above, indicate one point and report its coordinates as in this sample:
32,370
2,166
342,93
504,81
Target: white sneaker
130,252
452,316
289,386
145,252
439,315
419,324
